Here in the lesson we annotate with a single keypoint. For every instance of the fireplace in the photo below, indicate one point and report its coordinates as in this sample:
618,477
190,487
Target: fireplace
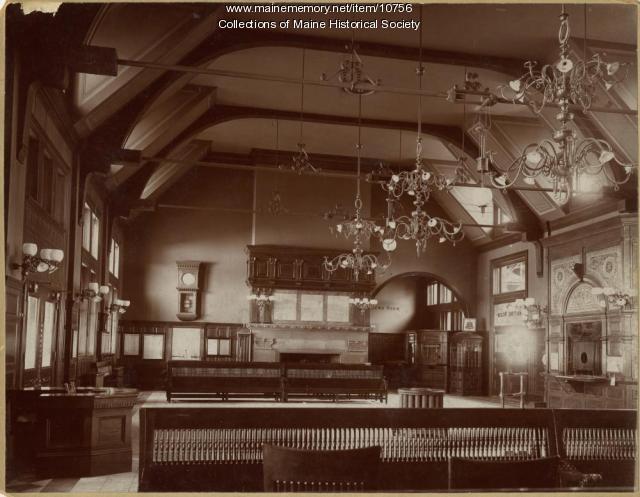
298,342
305,357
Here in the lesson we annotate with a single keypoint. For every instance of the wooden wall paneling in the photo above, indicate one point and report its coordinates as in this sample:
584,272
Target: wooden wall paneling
13,324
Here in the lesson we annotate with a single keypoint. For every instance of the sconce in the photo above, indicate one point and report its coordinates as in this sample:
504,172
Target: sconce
531,312
120,306
94,291
47,262
615,297
363,303
262,299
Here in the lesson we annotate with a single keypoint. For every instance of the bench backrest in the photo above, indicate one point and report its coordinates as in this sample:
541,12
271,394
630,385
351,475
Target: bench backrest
414,442
200,369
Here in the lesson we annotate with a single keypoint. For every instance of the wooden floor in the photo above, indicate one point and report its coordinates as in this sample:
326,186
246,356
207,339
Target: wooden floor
128,482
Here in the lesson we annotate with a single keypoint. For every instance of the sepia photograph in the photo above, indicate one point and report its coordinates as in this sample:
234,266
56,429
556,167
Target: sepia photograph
320,247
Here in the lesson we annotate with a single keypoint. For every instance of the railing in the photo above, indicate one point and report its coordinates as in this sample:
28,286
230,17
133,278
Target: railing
599,443
244,445
220,449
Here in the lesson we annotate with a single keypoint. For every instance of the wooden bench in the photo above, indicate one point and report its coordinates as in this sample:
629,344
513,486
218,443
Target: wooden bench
104,374
203,379
220,449
335,380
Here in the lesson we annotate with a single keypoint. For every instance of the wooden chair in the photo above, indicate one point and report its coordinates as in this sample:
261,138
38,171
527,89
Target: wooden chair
297,470
548,472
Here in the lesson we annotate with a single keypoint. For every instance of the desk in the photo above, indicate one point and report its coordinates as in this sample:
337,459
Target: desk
86,433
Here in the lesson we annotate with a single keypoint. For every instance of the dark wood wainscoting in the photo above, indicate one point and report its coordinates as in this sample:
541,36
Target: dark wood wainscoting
146,348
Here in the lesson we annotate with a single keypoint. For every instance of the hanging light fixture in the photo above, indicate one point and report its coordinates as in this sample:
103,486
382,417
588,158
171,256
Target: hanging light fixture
276,206
363,303
564,80
358,228
351,73
563,159
418,183
300,160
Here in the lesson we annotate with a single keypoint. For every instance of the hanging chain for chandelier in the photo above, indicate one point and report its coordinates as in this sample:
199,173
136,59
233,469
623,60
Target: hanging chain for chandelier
359,228
576,82
564,159
351,73
276,206
300,160
480,128
418,183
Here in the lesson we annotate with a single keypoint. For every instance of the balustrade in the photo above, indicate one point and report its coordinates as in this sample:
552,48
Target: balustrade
244,445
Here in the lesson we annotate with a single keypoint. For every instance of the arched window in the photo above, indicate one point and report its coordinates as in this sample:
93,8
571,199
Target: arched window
444,311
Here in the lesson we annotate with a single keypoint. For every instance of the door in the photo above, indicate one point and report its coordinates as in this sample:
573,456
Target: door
40,337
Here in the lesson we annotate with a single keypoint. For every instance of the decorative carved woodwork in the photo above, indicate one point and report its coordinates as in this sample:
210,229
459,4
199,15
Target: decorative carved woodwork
465,363
607,252
207,450
83,434
274,266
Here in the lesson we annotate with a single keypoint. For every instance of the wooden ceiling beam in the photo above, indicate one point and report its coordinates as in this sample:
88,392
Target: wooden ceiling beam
224,113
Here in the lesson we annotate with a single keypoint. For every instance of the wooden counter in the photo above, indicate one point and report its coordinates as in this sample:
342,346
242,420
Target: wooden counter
86,433
589,392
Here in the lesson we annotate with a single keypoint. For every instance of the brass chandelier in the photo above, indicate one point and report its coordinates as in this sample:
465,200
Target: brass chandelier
418,184
576,83
564,159
359,229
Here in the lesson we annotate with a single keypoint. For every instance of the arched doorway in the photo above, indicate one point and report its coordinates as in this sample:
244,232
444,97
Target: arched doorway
416,313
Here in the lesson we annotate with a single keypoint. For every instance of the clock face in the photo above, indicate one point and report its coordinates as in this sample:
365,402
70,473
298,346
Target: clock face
188,279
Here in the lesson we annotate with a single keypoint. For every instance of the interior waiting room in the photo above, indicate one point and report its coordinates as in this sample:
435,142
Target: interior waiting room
338,247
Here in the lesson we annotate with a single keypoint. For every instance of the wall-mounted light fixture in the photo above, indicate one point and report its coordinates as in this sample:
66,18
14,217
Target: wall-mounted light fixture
120,306
48,261
363,303
262,298
532,312
615,297
94,291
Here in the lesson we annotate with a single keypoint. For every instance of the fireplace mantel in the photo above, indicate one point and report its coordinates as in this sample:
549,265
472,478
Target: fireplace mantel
302,326
349,343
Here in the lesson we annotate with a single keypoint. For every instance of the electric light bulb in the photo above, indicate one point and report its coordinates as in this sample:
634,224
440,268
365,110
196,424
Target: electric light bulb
501,180
57,255
432,223
515,85
606,156
612,68
534,157
395,178
29,249
389,244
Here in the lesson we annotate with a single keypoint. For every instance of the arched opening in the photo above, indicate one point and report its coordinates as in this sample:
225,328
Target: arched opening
411,325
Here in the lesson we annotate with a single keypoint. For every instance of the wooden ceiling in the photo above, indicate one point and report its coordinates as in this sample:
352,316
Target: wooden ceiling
247,96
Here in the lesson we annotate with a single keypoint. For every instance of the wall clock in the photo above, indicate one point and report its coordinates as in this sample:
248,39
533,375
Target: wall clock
188,290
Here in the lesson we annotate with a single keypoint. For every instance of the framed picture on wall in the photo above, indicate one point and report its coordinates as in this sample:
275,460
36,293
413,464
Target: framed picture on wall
469,324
